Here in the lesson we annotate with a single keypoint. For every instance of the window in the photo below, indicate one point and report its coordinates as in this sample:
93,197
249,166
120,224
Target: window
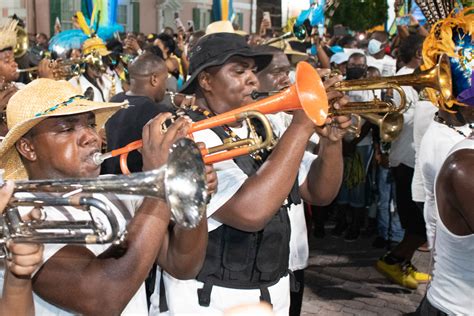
68,9
122,16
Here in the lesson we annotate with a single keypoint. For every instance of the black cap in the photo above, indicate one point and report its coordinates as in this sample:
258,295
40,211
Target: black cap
215,49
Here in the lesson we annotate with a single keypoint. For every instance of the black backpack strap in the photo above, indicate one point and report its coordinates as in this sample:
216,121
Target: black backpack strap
150,284
204,294
265,295
163,302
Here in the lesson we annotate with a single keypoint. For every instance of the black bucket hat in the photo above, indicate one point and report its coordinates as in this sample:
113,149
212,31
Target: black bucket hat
214,50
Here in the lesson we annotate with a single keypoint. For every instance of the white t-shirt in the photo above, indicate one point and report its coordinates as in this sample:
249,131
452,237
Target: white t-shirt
106,86
138,304
434,148
386,65
452,287
182,294
402,150
299,250
424,112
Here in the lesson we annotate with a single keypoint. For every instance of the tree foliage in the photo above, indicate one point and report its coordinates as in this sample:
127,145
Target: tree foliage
360,15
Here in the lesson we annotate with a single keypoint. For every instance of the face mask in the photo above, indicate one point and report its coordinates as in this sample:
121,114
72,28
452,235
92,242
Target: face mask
374,46
355,72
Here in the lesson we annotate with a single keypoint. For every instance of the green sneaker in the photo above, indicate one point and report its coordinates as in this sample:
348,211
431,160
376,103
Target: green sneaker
396,273
420,277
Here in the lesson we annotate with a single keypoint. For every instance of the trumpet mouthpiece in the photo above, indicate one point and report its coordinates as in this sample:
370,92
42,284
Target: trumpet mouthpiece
98,158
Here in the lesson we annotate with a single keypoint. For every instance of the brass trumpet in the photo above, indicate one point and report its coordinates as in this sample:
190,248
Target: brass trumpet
211,155
300,32
181,182
438,78
390,125
65,69
21,46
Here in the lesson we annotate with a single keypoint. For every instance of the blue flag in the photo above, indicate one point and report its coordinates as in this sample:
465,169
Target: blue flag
222,10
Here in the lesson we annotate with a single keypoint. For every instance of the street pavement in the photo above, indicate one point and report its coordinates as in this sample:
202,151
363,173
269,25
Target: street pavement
341,280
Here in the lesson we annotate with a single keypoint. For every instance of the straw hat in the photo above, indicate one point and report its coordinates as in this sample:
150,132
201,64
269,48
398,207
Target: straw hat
219,27
94,44
294,55
40,99
8,35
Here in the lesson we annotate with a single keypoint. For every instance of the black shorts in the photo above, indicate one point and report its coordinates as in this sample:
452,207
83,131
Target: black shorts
411,217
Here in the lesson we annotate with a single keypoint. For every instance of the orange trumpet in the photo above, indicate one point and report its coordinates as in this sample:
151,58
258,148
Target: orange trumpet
308,93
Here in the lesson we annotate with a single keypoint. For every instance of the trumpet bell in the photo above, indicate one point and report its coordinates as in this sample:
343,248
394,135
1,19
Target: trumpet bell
21,46
300,32
439,78
390,124
185,179
311,93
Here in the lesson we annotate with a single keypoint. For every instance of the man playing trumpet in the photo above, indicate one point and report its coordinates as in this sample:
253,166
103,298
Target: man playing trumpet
55,137
247,255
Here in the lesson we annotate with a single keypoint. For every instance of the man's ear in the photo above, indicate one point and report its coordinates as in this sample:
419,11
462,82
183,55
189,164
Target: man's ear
154,80
204,80
26,149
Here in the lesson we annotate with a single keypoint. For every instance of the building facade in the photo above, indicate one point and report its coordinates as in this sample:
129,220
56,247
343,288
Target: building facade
147,16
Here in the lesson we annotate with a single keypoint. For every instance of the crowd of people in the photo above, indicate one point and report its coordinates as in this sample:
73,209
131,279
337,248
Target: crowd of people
410,189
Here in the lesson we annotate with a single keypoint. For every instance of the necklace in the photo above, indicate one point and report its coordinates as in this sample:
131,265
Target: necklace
441,120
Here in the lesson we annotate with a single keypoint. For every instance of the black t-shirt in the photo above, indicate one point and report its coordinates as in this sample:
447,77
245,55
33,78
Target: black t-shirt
125,126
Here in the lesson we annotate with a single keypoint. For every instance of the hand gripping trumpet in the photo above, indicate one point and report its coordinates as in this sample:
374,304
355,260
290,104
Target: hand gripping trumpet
181,182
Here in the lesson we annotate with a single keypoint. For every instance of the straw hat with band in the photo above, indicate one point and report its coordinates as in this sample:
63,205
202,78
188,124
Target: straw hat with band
41,99
214,50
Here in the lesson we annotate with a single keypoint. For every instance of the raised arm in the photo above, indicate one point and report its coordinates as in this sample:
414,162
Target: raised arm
75,279
262,194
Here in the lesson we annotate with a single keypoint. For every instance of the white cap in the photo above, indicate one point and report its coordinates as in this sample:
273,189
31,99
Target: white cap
339,58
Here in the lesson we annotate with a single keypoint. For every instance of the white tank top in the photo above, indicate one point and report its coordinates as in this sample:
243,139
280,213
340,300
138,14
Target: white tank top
452,287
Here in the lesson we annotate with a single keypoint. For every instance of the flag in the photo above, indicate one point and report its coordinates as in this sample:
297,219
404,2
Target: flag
222,10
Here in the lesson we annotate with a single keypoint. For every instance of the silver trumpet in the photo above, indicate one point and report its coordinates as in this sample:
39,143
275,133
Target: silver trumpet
181,182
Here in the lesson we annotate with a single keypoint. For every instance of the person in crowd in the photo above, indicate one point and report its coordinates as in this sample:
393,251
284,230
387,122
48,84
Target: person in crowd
38,51
352,198
98,82
167,45
55,138
9,70
247,255
388,229
148,75
377,57
396,264
424,113
23,260
339,62
450,292
348,41
275,77
445,130
450,124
